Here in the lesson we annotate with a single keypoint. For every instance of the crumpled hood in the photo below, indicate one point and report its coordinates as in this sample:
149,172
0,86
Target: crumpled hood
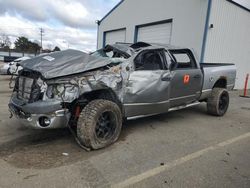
64,63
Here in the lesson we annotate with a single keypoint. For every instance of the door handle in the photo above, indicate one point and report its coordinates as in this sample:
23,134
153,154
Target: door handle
167,78
197,76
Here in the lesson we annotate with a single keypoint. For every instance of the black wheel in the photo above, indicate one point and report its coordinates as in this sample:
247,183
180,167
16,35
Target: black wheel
218,102
99,124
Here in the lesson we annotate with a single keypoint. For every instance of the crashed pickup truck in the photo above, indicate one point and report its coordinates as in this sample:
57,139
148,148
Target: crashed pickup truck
93,94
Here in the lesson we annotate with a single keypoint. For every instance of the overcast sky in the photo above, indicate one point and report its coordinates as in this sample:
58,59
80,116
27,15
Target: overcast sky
65,22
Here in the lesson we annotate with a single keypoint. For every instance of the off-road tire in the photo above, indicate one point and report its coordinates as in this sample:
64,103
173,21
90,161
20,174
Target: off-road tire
218,102
88,122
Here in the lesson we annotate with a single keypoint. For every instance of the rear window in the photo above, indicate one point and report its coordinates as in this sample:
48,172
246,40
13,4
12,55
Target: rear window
184,59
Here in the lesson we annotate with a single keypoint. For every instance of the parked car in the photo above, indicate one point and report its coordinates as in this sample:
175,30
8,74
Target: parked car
93,93
14,68
4,70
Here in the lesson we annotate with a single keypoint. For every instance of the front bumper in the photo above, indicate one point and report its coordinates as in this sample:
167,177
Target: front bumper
40,115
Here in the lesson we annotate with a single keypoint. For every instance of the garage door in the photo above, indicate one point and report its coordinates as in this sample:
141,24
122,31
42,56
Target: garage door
155,33
111,37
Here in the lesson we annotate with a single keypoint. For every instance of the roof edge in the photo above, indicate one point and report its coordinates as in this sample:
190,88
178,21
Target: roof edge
117,5
239,5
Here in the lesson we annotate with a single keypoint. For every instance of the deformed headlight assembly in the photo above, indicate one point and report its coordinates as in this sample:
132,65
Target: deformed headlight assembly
64,92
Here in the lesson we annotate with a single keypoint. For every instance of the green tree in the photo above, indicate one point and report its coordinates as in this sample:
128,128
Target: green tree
34,47
22,44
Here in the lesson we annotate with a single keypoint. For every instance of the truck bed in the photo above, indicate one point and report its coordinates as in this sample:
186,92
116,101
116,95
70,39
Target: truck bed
215,71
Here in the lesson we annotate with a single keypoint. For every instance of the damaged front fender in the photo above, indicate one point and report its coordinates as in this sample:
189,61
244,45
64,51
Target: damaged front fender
71,88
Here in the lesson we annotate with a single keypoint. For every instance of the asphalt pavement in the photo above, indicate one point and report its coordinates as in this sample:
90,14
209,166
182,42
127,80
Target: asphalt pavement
186,148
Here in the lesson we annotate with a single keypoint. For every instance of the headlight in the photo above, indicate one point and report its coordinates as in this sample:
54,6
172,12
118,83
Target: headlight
64,92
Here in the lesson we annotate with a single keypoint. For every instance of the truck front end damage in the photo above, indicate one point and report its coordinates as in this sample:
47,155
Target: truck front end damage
92,94
29,104
46,120
42,100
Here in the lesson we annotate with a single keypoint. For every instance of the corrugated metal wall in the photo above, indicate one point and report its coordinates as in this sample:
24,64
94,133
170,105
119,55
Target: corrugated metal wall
229,40
188,19
115,36
160,33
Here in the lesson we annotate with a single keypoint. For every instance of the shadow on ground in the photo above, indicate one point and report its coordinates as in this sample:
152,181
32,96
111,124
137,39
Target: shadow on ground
44,149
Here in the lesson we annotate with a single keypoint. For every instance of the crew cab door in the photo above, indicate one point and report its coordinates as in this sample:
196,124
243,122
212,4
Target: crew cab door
186,82
147,88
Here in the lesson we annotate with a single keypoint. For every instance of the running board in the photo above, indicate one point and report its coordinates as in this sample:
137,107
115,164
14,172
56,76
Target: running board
170,110
184,106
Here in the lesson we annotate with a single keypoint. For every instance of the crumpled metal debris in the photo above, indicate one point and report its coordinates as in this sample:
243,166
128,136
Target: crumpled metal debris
65,63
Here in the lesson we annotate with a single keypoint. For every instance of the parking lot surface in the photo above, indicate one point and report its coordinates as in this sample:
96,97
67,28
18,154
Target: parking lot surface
186,148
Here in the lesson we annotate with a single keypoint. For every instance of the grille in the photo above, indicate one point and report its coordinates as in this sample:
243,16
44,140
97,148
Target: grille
27,89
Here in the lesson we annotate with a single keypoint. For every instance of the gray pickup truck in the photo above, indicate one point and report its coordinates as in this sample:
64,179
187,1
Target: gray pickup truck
93,94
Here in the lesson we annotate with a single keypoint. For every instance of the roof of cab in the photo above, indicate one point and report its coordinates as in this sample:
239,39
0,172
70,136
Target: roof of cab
143,45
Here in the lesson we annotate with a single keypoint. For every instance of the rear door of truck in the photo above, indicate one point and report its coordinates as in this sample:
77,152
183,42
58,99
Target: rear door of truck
187,78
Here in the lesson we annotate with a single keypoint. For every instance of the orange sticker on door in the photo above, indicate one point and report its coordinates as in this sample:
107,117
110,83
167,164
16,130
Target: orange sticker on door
186,79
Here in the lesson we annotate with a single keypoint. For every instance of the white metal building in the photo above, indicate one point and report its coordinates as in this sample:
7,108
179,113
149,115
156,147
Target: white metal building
219,30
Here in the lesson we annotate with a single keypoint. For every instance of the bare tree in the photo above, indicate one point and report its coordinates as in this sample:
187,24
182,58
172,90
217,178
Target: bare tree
4,41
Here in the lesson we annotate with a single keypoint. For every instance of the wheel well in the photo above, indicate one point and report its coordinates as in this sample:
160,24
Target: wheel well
221,83
83,100
106,94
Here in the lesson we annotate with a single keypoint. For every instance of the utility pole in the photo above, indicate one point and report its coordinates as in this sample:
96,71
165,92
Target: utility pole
41,33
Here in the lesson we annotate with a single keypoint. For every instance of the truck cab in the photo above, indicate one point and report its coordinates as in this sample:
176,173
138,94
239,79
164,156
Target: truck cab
174,75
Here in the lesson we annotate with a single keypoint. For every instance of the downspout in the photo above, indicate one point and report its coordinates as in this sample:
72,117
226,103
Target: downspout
204,42
97,40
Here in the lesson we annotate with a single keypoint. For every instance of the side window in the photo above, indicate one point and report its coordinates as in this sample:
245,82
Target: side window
183,59
149,60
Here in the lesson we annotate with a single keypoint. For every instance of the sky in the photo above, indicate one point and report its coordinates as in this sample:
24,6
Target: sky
66,23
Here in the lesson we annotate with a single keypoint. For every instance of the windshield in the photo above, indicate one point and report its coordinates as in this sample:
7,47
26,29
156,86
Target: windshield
110,52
